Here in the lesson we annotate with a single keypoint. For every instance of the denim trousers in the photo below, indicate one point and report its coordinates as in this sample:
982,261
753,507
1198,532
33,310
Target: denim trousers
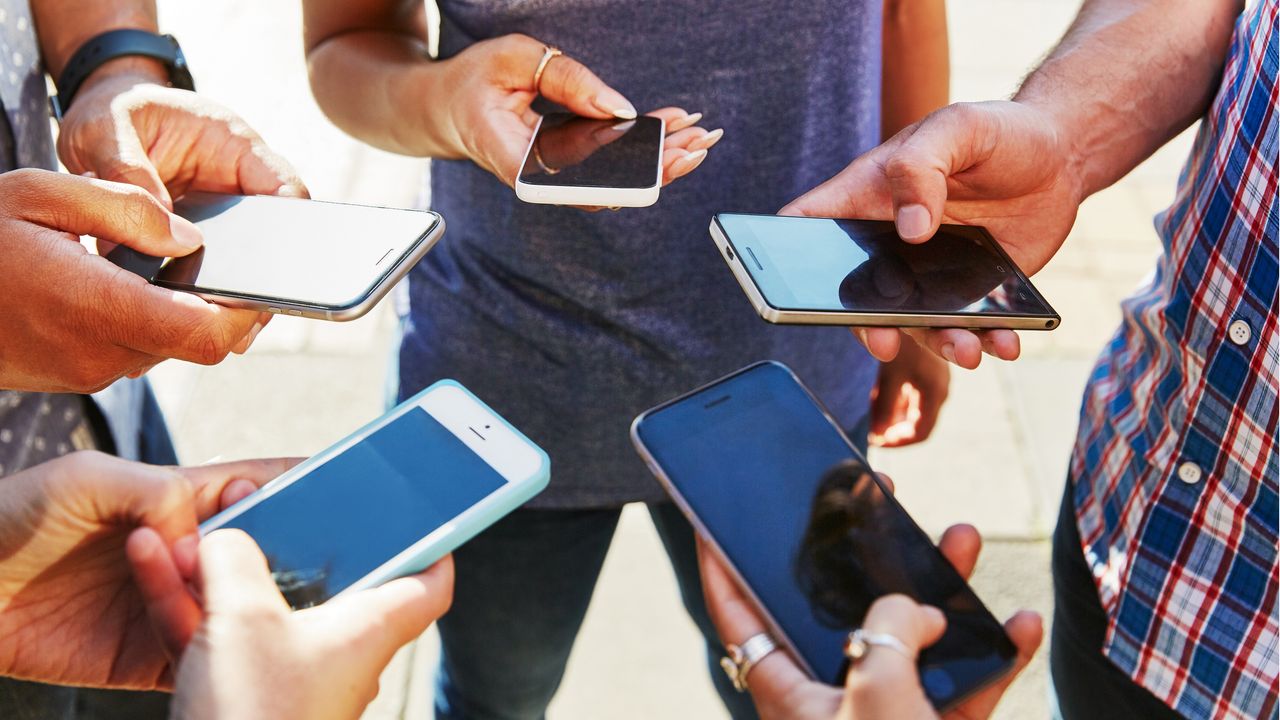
522,590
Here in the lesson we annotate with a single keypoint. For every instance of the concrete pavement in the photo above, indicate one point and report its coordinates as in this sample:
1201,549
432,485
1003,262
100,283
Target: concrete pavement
997,457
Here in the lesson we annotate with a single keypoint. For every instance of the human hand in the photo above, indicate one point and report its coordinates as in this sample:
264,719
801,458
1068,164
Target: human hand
125,127
908,396
1002,165
254,658
74,322
487,112
880,691
70,612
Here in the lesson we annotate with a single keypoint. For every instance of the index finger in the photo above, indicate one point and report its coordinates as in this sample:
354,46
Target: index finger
209,481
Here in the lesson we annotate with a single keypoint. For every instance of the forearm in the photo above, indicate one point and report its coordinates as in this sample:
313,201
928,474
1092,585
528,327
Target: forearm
1129,76
916,75
64,25
378,87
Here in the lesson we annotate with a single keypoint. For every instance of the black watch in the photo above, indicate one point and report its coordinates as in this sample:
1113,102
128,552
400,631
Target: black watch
116,44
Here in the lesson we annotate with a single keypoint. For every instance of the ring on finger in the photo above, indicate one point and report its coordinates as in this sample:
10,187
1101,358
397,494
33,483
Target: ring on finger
860,642
548,52
740,659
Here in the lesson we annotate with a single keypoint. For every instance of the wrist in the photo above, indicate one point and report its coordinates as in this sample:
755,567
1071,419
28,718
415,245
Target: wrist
1076,175
429,129
132,69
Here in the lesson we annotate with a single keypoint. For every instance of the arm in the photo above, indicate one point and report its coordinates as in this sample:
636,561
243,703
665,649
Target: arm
371,74
1126,77
64,25
916,75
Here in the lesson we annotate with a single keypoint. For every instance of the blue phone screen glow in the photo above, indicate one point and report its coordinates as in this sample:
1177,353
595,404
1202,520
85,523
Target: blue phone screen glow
348,516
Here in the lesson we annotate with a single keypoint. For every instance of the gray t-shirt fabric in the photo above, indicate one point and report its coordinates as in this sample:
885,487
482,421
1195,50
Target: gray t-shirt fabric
571,323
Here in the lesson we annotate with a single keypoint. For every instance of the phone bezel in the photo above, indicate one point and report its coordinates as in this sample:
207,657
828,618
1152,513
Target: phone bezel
687,510
771,313
590,196
454,407
406,256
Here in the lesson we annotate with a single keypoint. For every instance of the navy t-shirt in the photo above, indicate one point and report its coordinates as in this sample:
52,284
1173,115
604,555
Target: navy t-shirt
571,323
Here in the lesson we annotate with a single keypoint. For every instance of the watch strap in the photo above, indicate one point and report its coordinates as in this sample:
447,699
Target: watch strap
108,46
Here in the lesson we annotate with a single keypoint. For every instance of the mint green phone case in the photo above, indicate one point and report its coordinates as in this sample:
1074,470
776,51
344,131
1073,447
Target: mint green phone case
511,496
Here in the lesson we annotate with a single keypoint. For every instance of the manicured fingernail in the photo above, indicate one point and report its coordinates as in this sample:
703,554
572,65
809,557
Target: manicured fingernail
913,221
949,352
707,141
686,164
623,126
611,102
684,122
184,232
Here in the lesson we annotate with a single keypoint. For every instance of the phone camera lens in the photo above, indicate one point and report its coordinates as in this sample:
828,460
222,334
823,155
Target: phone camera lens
486,427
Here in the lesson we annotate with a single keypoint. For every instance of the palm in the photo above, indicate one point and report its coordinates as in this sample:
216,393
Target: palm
76,613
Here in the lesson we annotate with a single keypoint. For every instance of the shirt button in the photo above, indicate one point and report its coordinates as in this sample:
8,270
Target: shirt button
1239,332
1189,473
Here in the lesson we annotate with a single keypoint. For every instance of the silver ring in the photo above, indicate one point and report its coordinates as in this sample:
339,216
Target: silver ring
548,52
860,642
742,658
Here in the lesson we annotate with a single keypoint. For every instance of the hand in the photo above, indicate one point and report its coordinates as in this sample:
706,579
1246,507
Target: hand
254,658
69,610
908,395
782,691
998,164
488,115
126,128
74,322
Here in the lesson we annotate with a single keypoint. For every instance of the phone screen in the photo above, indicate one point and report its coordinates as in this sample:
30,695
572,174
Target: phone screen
752,456
819,264
573,151
315,253
347,517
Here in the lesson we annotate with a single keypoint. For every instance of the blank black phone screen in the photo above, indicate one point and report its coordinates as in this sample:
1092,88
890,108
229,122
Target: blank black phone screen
810,529
573,151
824,265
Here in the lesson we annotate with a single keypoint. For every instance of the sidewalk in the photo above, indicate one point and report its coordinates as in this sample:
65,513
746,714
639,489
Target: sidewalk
997,458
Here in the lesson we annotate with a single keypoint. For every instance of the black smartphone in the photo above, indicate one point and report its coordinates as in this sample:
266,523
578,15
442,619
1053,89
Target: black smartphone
573,160
765,473
824,271
290,256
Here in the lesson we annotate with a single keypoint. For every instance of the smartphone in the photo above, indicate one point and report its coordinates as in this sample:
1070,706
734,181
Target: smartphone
574,160
824,271
763,472
392,498
290,256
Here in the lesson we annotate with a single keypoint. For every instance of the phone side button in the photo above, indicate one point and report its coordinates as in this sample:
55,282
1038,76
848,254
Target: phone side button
295,313
273,310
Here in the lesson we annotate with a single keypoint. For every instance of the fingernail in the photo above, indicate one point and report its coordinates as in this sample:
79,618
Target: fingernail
623,126
913,221
185,233
707,141
937,615
611,102
687,163
253,332
949,352
684,122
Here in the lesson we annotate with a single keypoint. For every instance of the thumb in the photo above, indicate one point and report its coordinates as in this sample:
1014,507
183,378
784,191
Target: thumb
569,83
119,213
233,575
394,614
929,154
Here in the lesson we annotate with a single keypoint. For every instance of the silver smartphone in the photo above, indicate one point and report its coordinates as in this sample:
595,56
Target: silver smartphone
306,258
824,271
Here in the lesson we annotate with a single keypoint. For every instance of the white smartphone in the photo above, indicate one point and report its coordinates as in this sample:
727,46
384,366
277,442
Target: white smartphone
572,160
306,258
824,271
392,498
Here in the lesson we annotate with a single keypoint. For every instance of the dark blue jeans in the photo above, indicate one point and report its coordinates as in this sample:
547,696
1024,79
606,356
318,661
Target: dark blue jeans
522,590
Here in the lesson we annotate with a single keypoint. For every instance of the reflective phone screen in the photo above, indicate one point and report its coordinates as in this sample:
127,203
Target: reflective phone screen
573,151
348,516
817,264
810,529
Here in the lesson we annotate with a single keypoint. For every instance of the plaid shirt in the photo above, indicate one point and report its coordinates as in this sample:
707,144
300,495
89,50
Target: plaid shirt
1175,463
